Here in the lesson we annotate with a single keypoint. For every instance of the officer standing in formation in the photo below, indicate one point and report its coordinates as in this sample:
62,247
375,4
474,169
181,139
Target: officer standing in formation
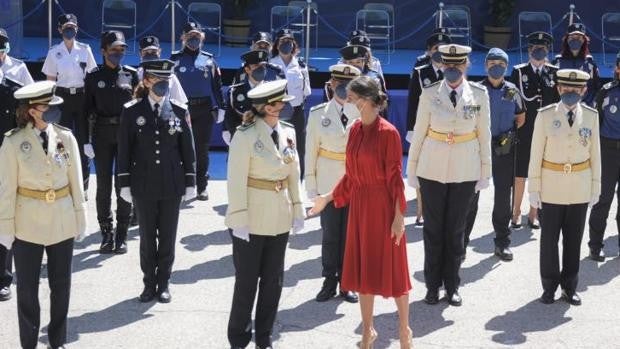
107,88
359,37
264,205
431,48
507,114
536,81
150,50
357,56
13,75
449,160
67,63
202,82
608,106
41,179
326,141
156,171
564,178
261,41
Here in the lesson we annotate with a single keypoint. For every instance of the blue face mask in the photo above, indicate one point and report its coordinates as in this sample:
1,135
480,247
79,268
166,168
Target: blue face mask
286,113
259,73
575,44
149,57
52,115
193,43
452,74
570,98
69,33
539,54
341,91
497,71
160,88
436,57
115,58
286,47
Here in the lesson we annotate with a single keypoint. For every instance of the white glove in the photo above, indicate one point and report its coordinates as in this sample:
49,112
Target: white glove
593,201
190,193
7,240
409,136
242,233
482,184
226,137
413,181
535,200
298,225
311,194
126,194
89,151
220,116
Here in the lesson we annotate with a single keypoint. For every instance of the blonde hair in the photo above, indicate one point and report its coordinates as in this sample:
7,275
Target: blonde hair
258,110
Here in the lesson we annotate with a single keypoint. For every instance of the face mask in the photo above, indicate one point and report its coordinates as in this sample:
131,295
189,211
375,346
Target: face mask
452,74
150,57
350,110
259,73
497,71
52,115
539,54
160,88
69,33
436,57
286,113
286,48
570,98
6,49
193,43
341,91
575,44
115,58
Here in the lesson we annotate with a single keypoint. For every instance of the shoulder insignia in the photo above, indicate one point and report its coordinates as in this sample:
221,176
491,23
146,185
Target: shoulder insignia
62,128
82,45
318,106
9,133
433,84
176,103
246,126
132,102
611,84
10,82
552,105
206,53
94,70
477,85
284,123
551,65
274,66
421,58
519,66
423,66
239,84
129,68
587,107
174,54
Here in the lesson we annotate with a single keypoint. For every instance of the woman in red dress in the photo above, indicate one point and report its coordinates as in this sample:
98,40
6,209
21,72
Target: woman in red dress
375,259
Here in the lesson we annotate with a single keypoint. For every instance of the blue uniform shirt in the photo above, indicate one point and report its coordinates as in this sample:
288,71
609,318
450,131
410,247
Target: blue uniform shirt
609,109
505,102
198,74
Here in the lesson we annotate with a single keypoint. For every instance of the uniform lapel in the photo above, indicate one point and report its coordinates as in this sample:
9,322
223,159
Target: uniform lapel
266,139
466,97
333,115
52,141
35,141
443,94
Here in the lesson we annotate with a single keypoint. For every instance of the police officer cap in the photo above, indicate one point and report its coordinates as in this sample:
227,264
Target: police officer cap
162,68
344,72
497,54
191,27
269,92
262,37
40,92
68,18
539,38
285,33
360,41
572,77
255,57
576,28
438,36
112,38
3,35
454,54
149,43
353,51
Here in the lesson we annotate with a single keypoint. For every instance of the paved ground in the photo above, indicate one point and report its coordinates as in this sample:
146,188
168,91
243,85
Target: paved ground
500,299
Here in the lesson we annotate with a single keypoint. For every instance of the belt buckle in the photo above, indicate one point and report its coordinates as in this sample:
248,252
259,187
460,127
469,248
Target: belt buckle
50,196
278,186
450,138
568,168
72,90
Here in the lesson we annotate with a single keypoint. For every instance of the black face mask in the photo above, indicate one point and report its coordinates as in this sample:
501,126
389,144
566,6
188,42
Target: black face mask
259,73
150,57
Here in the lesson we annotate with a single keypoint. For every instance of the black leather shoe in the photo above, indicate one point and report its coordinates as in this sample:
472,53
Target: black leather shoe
261,347
237,347
203,196
5,293
107,242
349,296
515,225
328,291
51,347
503,253
547,298
120,246
164,296
147,295
532,225
571,298
419,222
134,217
597,255
455,299
432,297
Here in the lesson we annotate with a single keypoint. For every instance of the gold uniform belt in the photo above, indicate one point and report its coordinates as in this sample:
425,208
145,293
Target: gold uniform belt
264,184
332,155
450,137
48,196
566,168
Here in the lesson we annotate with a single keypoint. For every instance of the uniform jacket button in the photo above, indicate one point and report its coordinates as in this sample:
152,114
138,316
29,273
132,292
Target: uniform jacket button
156,132
156,151
157,161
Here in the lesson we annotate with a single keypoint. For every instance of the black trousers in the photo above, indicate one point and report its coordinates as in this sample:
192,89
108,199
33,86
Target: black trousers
73,117
446,206
299,121
569,220
6,267
502,168
202,125
106,149
259,263
610,176
28,257
158,220
334,226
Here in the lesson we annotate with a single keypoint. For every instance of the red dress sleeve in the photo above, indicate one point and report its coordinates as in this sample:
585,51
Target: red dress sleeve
394,167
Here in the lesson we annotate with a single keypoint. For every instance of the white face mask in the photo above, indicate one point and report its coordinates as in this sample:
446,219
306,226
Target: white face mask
350,110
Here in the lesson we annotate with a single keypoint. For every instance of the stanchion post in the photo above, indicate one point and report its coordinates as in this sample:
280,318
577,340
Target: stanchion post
49,23
172,39
440,15
308,9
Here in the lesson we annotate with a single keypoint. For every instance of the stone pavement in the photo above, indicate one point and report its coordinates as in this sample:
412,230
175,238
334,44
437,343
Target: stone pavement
500,299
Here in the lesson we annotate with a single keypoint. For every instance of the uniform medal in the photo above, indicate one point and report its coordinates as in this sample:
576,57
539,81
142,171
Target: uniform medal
584,135
171,129
289,151
326,122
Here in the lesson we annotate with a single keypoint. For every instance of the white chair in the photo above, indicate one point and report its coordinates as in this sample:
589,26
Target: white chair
389,8
120,15
378,26
209,16
610,32
314,21
530,22
457,20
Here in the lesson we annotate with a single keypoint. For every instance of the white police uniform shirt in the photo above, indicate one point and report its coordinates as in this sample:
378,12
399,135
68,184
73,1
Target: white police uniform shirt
297,77
15,69
176,90
69,68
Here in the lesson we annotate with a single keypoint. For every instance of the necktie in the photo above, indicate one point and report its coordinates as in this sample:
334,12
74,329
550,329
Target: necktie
156,111
538,71
439,74
344,119
274,136
570,117
45,139
453,97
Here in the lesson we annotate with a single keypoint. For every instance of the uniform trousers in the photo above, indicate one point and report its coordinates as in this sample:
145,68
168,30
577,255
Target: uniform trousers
334,226
28,258
299,122
610,176
158,220
106,150
6,266
259,263
446,206
73,118
569,220
202,126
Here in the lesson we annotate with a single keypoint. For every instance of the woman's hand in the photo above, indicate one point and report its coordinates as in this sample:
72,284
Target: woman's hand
398,228
320,202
